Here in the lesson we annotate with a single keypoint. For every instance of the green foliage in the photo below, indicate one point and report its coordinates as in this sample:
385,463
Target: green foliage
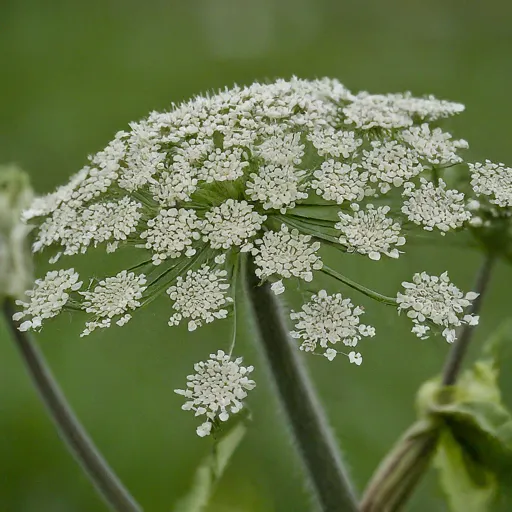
474,454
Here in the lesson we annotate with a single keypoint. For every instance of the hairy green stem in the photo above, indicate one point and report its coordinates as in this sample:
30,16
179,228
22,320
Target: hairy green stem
460,347
68,426
313,437
401,470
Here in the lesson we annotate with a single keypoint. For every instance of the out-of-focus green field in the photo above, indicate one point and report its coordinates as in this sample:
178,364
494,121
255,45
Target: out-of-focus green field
72,74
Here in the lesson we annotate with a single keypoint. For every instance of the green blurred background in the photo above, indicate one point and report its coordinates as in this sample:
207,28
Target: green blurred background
72,74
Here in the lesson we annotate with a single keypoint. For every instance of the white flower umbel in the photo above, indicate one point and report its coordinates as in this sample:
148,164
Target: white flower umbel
435,146
227,165
171,234
494,181
281,149
435,301
370,232
268,168
376,110
47,298
327,320
113,297
200,297
339,182
233,223
277,187
286,253
143,157
175,186
113,221
217,389
330,142
435,207
391,164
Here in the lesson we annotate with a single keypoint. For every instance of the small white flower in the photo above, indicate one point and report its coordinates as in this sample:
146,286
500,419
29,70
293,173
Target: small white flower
217,389
355,357
286,253
327,320
370,232
220,259
171,233
233,223
435,207
204,429
111,297
330,354
436,300
200,297
47,298
278,287
494,181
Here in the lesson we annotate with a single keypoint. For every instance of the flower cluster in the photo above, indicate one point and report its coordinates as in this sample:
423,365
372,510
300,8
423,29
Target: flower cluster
435,300
271,172
217,389
327,320
493,181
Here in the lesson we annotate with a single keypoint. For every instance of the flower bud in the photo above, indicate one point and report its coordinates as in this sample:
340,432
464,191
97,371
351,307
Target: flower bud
15,258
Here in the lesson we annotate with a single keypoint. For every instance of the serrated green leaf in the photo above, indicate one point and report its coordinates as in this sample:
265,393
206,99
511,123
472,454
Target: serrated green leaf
211,470
468,486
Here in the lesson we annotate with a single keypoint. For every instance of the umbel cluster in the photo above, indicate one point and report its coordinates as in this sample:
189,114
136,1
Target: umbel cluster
272,172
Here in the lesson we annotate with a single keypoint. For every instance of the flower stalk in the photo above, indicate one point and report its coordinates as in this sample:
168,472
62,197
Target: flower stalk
460,346
313,437
81,446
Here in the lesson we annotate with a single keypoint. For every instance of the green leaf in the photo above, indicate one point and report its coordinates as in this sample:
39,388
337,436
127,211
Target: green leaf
211,470
468,486
483,430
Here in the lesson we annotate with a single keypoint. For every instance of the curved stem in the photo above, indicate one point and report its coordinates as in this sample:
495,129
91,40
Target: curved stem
70,429
313,437
359,287
461,344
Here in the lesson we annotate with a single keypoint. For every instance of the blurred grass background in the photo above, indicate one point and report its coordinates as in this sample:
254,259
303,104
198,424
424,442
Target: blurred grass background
72,74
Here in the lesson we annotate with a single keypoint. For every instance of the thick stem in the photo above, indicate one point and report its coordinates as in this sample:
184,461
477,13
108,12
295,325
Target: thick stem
68,426
401,470
313,437
460,347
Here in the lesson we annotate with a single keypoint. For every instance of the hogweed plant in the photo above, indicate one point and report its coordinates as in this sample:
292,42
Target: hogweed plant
249,186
